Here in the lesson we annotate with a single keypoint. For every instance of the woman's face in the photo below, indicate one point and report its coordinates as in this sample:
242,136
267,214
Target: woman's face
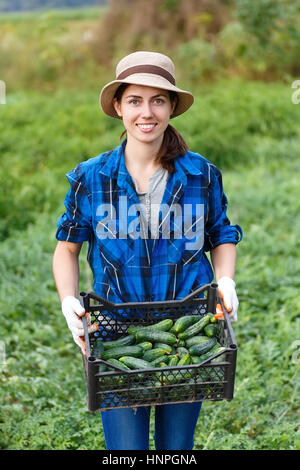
145,112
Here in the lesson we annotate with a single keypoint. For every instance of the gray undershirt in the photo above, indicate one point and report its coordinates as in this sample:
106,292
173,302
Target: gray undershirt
150,201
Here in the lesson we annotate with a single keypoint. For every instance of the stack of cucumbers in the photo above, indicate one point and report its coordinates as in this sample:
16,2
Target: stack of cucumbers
191,339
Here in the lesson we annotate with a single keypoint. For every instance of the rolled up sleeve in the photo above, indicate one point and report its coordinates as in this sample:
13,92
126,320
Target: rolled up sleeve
218,229
75,224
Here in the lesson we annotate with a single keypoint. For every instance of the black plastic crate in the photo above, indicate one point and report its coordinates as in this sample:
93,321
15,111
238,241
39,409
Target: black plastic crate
209,380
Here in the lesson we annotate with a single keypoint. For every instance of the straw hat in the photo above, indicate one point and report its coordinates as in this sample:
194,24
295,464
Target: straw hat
149,69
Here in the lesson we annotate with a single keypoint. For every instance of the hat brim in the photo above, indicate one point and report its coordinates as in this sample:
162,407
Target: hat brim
185,98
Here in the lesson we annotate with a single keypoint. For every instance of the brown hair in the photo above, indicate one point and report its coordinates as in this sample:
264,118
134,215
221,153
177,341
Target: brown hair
173,143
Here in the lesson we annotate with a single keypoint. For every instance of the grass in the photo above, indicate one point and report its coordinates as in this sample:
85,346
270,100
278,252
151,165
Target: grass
83,13
250,131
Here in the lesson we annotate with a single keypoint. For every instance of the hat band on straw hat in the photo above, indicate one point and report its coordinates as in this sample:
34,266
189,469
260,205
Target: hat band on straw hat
154,69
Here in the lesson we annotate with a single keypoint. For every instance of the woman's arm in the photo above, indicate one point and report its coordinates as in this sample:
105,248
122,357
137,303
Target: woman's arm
66,275
65,267
223,259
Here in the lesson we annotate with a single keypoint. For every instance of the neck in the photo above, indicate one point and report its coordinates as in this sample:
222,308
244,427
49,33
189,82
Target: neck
140,155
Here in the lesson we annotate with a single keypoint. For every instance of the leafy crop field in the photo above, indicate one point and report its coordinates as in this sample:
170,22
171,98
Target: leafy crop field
251,131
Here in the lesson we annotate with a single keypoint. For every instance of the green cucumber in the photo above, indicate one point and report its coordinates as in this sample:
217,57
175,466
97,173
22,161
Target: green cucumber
154,353
216,351
196,359
172,377
184,322
202,348
102,368
194,329
166,347
182,351
195,340
184,360
173,360
211,330
134,351
163,325
152,335
135,363
181,343
163,364
146,345
124,341
97,348
117,363
158,360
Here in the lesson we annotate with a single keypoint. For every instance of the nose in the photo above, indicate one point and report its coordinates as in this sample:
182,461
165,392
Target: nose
147,110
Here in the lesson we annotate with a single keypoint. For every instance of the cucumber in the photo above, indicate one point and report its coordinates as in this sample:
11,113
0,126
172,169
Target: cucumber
152,335
163,325
132,329
199,359
163,364
172,377
211,330
184,360
166,347
202,348
194,329
184,322
146,345
195,340
135,363
181,343
196,359
154,354
158,360
216,348
173,360
97,348
117,363
171,330
182,351
124,341
216,351
134,351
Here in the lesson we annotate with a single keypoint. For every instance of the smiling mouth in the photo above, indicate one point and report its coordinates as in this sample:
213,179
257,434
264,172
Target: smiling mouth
146,126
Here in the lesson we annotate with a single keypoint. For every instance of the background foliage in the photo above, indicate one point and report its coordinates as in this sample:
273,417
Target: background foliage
29,5
243,119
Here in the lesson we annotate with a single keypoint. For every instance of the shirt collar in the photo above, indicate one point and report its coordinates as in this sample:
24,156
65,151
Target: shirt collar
116,164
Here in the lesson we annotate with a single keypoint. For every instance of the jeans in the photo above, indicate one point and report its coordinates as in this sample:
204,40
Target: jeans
128,428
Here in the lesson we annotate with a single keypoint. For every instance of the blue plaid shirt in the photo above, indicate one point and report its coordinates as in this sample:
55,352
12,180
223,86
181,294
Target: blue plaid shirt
127,268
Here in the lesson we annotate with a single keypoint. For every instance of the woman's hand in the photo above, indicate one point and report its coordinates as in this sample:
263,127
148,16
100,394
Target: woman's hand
226,288
72,311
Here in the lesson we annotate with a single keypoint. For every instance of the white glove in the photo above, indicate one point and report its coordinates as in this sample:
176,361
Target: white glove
226,287
72,310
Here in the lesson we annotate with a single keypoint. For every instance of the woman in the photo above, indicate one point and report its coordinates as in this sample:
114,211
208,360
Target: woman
153,256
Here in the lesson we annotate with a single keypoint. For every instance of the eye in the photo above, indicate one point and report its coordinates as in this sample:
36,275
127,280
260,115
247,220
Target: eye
159,100
133,101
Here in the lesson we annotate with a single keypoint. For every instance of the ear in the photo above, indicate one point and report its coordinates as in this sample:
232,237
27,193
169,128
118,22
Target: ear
117,107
